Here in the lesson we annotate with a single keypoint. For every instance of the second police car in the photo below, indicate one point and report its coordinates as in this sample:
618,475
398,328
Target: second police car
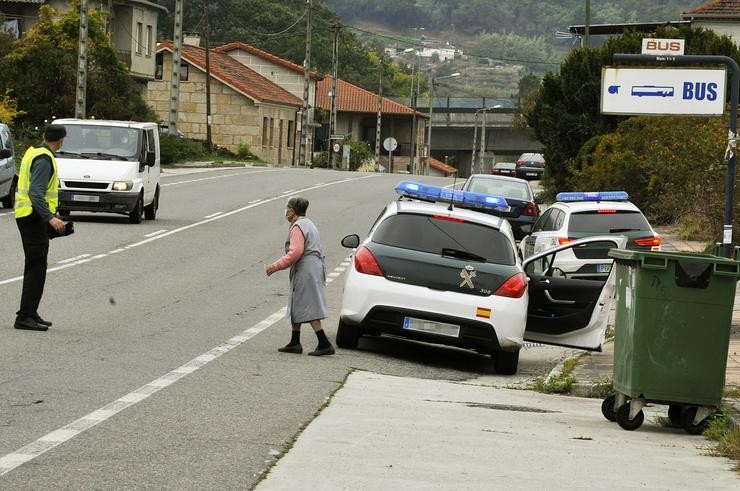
583,214
432,271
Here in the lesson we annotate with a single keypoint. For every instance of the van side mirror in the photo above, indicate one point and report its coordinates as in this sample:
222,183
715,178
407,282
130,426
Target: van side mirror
150,158
351,241
5,153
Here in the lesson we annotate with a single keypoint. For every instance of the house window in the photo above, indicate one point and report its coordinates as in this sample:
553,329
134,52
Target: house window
265,123
139,37
272,132
280,133
149,40
184,72
291,133
158,66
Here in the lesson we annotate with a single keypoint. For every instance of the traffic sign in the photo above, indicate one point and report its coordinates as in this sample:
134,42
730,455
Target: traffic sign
338,136
651,46
663,91
390,144
335,147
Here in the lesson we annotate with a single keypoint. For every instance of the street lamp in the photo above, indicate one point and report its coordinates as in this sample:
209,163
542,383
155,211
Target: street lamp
431,106
482,153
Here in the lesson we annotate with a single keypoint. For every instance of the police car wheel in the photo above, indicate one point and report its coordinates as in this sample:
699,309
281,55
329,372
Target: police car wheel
348,336
9,200
505,362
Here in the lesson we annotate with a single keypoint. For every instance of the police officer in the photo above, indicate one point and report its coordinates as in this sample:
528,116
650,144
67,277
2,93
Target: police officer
35,212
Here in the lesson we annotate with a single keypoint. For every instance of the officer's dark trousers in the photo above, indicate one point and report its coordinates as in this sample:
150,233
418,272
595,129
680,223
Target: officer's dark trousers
35,238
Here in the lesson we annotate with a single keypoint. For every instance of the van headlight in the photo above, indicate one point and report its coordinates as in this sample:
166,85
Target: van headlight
122,185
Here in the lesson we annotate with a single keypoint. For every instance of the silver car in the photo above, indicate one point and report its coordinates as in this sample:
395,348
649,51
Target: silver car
7,167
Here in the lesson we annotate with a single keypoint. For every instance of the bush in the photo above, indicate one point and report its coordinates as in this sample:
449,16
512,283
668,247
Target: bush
244,152
320,159
175,149
359,153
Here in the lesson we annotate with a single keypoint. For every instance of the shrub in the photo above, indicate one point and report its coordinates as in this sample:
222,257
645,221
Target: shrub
244,152
175,149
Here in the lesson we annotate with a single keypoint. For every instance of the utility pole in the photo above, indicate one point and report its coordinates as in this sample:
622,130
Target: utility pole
482,154
80,103
333,115
110,18
473,160
303,132
380,115
587,27
175,80
209,139
412,166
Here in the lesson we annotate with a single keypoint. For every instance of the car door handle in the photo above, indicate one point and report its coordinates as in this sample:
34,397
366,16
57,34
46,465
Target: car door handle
545,280
562,302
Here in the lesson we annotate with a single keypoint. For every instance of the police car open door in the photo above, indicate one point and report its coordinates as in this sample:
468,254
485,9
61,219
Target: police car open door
565,311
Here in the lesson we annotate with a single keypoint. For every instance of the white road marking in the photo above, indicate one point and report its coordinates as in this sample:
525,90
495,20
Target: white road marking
254,201
215,177
73,259
77,261
213,214
116,251
8,213
55,438
155,233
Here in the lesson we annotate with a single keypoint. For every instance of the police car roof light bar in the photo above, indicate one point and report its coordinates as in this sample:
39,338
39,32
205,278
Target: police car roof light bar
593,196
467,199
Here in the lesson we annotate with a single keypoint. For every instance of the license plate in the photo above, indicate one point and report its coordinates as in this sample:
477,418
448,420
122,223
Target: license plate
421,325
85,197
603,268
531,173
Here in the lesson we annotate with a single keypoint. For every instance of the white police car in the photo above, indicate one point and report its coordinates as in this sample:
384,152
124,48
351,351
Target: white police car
434,272
583,214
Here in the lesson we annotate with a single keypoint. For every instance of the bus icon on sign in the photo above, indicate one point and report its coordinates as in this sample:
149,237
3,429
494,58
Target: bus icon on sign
652,91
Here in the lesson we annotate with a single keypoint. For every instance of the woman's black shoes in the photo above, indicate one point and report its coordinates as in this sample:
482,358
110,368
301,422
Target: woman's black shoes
29,324
291,348
329,350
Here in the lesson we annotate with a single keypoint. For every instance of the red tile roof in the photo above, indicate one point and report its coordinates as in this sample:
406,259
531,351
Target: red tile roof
716,9
441,166
229,71
354,99
226,48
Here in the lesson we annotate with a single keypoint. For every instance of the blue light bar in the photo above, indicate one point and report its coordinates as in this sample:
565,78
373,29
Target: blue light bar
466,199
593,196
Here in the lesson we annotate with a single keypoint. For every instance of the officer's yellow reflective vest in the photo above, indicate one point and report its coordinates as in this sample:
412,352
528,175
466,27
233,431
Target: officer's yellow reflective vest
23,206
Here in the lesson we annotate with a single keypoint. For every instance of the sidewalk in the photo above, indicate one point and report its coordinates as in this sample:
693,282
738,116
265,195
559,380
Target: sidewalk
593,368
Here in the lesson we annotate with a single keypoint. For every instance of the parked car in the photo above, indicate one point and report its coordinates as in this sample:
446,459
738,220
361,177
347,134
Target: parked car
530,166
441,274
523,210
7,167
504,169
578,215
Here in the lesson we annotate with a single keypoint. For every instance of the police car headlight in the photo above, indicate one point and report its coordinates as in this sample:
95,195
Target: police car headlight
122,185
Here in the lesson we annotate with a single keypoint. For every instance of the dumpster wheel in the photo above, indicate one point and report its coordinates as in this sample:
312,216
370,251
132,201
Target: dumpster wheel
623,418
607,408
674,415
687,421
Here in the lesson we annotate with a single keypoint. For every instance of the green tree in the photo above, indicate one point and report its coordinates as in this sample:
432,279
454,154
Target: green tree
41,71
565,110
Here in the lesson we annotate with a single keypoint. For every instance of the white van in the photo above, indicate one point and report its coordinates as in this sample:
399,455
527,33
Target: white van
7,167
109,166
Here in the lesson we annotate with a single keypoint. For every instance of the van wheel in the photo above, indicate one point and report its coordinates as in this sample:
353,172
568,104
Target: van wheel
150,211
9,200
63,213
138,212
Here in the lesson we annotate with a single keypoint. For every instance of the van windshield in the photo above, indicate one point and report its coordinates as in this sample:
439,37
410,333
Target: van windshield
103,142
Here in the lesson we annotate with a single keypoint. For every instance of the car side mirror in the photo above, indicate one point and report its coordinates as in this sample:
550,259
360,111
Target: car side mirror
150,158
351,241
5,153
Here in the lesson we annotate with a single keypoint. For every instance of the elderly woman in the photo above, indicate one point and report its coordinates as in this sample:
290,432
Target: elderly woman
307,300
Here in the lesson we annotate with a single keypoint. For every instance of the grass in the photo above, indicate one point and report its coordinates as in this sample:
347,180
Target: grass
727,440
560,383
732,393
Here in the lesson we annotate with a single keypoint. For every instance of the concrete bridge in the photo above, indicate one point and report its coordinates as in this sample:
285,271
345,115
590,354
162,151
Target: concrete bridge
453,120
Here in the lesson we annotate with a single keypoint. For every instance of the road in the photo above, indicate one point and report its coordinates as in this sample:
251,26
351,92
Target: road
161,370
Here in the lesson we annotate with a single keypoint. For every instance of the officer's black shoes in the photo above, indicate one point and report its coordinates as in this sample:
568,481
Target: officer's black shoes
329,350
291,348
29,324
41,321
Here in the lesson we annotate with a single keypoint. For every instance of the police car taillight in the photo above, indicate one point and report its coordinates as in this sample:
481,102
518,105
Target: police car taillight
448,218
514,287
531,210
365,262
593,196
649,241
564,240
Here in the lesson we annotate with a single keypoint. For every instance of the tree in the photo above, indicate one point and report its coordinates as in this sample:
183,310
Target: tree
565,110
41,71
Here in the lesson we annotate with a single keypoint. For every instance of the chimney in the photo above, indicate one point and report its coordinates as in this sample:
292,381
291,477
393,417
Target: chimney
191,39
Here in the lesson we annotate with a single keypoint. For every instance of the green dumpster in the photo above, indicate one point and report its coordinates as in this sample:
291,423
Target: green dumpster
673,317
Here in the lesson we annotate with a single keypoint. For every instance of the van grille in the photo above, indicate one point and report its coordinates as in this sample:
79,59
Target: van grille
86,185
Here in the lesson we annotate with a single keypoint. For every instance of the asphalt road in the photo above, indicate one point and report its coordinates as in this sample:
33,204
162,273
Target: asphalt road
161,370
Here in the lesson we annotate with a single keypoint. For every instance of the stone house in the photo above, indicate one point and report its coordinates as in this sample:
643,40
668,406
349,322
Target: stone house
357,111
246,107
721,16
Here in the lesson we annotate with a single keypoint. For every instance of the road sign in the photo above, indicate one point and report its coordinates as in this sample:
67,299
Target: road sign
390,144
336,137
651,46
335,147
674,91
